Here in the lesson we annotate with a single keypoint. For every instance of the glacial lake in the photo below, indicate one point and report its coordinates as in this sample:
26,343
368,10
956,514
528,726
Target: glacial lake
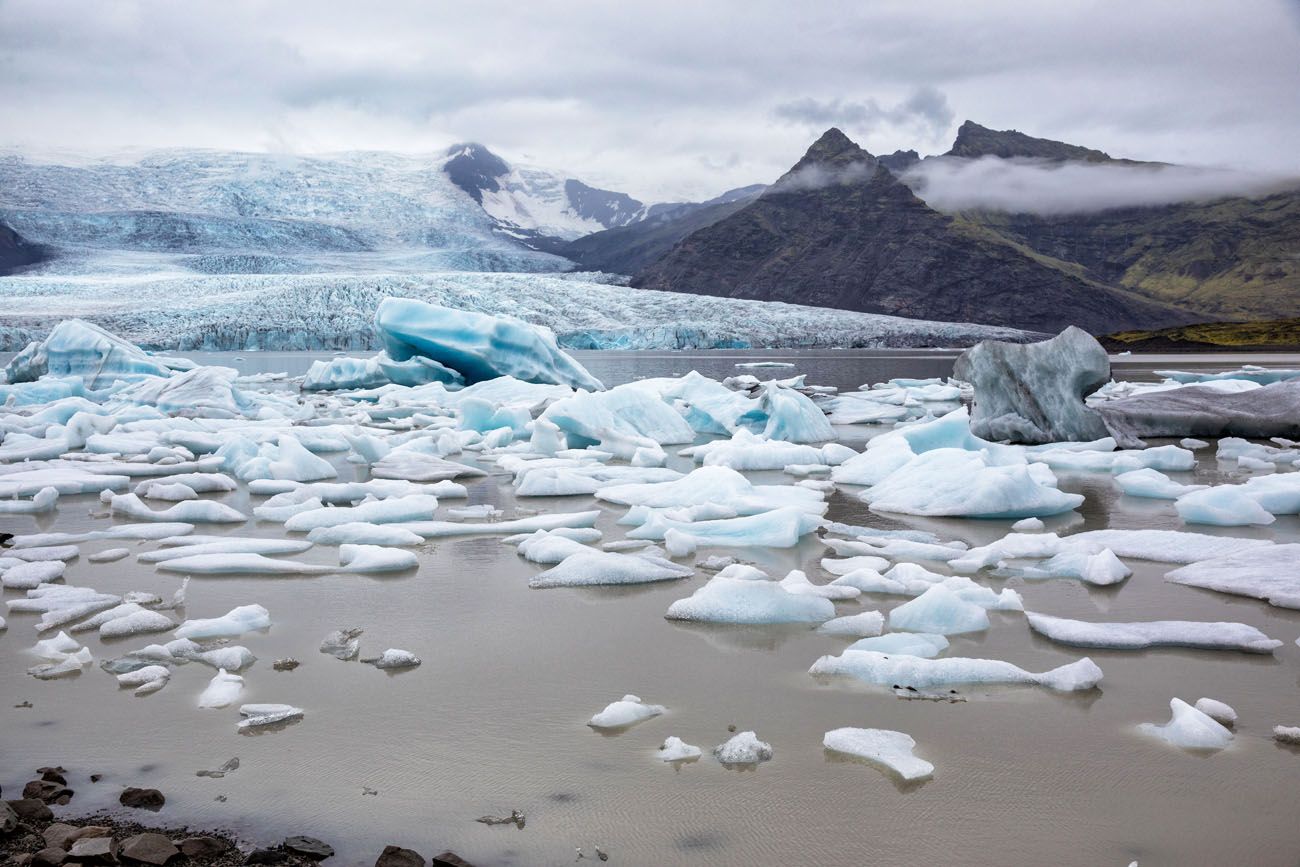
494,719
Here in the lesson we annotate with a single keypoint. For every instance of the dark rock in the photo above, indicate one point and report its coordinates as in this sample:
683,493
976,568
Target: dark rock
22,859
8,818
142,799
46,791
308,847
287,664
148,848
1033,393
203,847
97,849
396,856
95,778
267,856
31,809
53,775
975,141
61,835
51,856
449,859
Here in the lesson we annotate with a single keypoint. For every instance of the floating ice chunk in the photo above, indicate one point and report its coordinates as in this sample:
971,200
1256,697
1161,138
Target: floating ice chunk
26,576
1189,728
853,564
482,510
1271,573
920,644
719,486
792,417
1223,506
189,546
172,493
886,669
477,345
855,625
780,528
1193,444
1102,568
797,582
245,618
241,564
1216,710
1168,546
393,658
71,663
199,483
1287,735
1255,464
231,658
743,748
415,507
748,451
626,417
627,711
280,514
1170,458
590,568
868,580
267,714
67,480
375,558
1154,484
39,554
940,611
193,511
1155,633
674,749
730,599
955,482
419,467
363,533
56,648
108,555
548,548
146,680
1027,525
46,500
342,643
882,747
77,348
136,623
440,529
222,691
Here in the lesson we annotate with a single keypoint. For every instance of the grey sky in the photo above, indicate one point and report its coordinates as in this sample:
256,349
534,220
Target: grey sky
662,99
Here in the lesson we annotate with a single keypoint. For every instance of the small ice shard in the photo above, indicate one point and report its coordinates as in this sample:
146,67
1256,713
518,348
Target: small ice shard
744,748
885,669
374,558
1222,506
742,594
882,747
1218,711
64,657
145,680
920,644
232,658
56,648
1154,484
482,510
393,658
108,555
1289,735
855,625
1154,633
627,711
245,618
267,714
674,749
1193,444
588,568
940,611
1189,728
241,564
1027,525
222,691
136,623
27,576
45,554
342,643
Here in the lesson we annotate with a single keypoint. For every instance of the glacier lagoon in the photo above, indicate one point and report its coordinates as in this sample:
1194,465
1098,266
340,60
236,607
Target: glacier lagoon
494,718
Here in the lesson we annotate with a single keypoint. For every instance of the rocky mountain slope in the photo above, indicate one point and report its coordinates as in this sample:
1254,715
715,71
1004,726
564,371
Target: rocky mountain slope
840,230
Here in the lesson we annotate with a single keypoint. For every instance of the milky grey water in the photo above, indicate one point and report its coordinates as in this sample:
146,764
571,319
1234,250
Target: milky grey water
494,719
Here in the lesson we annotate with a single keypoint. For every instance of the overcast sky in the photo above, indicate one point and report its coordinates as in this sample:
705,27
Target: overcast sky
662,99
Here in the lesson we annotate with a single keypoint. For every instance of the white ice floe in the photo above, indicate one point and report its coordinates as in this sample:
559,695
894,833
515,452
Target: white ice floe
674,749
44,554
1223,506
743,748
718,486
1216,710
956,482
1155,633
256,715
108,555
245,618
1153,484
627,711
232,658
891,749
63,656
190,512
1168,546
26,576
1270,572
868,623
779,528
1289,735
222,691
1189,728
920,644
190,546
940,611
120,531
45,500
736,595
440,529
241,564
363,533
376,558
797,582
146,680
1102,568
887,669
393,658
394,510
1027,525
589,567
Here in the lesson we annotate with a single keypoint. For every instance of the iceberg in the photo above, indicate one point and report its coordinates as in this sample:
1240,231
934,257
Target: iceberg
1189,729
78,348
394,510
626,712
752,599
146,680
675,749
939,611
743,748
1216,710
189,511
891,749
1268,572
26,576
1222,506
477,345
257,715
920,644
1155,633
363,533
1205,411
393,659
1151,483
956,482
587,568
713,485
222,691
45,500
620,420
342,644
442,529
245,618
376,558
780,528
884,670
868,623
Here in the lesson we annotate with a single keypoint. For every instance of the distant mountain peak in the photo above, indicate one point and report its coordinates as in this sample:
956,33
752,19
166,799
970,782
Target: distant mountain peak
474,168
974,141
833,158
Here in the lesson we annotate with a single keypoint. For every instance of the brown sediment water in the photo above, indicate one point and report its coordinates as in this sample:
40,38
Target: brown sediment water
494,719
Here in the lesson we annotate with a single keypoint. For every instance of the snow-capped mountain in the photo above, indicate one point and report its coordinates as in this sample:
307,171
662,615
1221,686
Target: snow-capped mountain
530,201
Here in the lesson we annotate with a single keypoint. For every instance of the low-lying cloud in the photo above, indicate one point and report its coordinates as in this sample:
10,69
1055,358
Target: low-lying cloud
1038,187
926,111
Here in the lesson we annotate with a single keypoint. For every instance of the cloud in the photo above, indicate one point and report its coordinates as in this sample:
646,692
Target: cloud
1036,187
925,111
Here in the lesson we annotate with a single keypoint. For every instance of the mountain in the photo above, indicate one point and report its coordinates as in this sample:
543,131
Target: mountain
534,204
16,253
840,230
975,141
